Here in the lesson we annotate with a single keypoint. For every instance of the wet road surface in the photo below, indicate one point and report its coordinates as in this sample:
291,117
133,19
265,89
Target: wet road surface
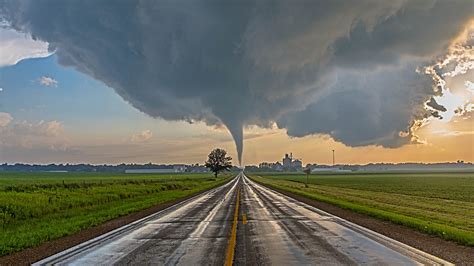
242,223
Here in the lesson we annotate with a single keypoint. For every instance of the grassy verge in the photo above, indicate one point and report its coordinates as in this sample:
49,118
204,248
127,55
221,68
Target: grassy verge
37,207
437,204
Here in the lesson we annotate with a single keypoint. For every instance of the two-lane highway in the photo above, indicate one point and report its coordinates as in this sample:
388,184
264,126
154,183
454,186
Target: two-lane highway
242,222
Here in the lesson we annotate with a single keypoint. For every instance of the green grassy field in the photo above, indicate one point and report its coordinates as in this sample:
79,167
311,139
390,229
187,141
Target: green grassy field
440,204
37,207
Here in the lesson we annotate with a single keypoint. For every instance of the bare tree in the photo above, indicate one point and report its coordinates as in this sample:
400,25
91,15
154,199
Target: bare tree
218,161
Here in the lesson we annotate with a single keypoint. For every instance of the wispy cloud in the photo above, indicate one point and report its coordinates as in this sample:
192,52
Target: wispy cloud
16,46
48,81
452,133
143,136
5,119
469,86
28,134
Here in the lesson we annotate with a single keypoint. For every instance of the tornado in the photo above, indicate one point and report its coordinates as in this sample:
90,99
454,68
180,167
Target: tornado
236,130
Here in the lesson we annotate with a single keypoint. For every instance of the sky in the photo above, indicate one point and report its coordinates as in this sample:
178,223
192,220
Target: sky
168,81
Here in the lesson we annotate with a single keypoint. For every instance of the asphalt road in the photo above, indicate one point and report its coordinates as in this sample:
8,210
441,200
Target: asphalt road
242,223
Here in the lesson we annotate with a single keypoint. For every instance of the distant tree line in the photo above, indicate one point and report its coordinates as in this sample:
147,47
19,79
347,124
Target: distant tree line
372,166
396,166
119,168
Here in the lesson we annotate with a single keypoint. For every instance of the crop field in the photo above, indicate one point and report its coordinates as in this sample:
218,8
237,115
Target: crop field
37,207
440,204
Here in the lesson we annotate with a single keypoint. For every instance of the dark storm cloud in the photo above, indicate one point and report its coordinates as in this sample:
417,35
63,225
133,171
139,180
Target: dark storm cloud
436,106
255,62
373,109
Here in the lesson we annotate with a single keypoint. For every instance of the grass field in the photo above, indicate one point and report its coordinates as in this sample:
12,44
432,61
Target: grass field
441,204
37,207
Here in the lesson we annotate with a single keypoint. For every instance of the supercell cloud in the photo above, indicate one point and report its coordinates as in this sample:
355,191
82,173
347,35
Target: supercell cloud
343,68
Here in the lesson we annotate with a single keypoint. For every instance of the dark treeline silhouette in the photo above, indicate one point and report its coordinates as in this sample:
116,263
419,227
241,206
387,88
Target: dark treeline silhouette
459,165
20,167
120,168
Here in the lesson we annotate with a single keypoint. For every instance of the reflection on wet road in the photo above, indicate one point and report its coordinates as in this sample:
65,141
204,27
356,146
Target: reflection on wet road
242,223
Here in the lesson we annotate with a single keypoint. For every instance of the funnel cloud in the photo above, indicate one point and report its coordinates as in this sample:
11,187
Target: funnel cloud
342,68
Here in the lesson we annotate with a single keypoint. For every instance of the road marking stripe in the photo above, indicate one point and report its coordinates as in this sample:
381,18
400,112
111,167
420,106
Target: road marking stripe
229,259
244,218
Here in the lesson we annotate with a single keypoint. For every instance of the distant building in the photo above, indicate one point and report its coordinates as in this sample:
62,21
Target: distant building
278,167
328,169
265,166
287,161
291,165
196,168
297,164
151,171
179,168
148,171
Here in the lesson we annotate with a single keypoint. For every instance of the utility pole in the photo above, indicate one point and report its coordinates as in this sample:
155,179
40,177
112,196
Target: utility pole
333,158
307,171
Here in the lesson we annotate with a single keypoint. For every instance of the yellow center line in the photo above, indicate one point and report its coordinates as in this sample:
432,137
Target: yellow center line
229,259
244,218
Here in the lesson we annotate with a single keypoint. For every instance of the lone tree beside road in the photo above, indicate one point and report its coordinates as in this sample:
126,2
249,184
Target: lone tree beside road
218,161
